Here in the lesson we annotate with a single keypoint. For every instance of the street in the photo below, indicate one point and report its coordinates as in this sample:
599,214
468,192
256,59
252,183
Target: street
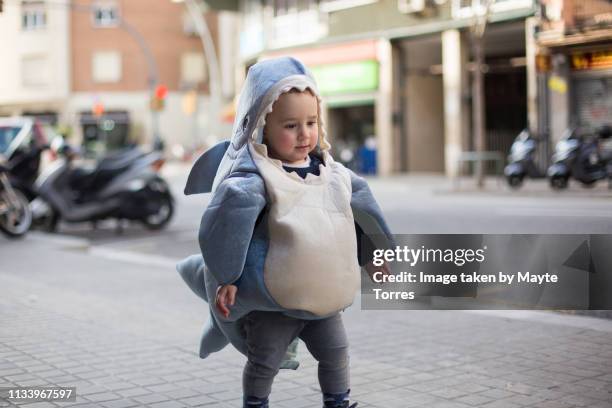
105,311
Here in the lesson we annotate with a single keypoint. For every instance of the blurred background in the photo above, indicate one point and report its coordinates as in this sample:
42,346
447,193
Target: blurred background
398,77
465,116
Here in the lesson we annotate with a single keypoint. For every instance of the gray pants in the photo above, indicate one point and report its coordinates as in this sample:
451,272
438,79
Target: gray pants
268,334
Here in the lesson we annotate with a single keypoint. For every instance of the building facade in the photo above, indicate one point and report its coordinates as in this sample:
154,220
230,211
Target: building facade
399,70
96,65
35,69
575,49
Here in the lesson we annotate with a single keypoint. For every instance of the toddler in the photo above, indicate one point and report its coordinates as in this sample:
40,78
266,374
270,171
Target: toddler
288,265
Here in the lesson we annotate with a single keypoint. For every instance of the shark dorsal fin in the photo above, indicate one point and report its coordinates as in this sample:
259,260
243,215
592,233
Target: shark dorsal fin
204,169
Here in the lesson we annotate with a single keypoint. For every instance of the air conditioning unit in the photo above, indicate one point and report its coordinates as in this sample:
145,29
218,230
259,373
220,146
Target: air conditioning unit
418,6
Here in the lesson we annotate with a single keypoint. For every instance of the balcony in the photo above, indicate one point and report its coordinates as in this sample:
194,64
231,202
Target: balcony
570,22
585,15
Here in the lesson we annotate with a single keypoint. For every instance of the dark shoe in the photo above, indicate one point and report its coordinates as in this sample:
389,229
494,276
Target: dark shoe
255,402
337,400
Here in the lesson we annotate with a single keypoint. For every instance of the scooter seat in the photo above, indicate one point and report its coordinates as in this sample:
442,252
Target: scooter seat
120,159
81,177
86,180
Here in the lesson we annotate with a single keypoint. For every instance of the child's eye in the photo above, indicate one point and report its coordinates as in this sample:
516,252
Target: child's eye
312,123
290,126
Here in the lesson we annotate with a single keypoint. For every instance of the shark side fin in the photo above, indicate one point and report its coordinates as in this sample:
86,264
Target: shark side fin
204,169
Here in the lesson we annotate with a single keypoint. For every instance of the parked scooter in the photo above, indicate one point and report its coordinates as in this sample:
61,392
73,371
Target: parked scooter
15,215
577,155
123,186
521,161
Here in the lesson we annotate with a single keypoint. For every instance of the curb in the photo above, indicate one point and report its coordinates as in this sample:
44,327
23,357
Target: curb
551,317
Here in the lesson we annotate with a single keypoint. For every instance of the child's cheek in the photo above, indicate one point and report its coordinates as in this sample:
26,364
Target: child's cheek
314,139
287,140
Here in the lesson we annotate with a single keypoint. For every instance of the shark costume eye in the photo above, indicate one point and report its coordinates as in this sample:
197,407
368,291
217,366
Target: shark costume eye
245,123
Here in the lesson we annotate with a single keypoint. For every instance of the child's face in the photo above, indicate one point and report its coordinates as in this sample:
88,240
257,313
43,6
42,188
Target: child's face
292,130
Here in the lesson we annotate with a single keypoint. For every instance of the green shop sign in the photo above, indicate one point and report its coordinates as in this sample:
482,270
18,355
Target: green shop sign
347,77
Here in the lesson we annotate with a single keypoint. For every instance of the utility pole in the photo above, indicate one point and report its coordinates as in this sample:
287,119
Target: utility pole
477,30
214,79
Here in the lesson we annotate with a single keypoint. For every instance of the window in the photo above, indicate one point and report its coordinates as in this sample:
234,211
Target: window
193,68
466,8
7,135
105,14
106,66
34,71
34,15
282,7
296,22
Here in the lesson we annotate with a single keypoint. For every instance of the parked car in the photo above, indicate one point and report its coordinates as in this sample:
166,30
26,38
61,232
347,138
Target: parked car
22,142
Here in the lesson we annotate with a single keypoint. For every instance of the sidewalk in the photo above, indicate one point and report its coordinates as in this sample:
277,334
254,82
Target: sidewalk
126,334
437,183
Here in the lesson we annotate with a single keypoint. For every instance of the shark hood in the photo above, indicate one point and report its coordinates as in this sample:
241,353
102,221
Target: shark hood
265,82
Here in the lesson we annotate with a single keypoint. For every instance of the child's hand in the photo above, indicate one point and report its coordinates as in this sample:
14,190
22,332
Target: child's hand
371,269
226,295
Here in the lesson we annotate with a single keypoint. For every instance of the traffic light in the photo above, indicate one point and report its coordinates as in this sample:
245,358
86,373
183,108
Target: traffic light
98,109
159,97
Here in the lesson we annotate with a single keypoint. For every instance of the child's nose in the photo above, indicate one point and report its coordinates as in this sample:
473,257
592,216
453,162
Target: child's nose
302,131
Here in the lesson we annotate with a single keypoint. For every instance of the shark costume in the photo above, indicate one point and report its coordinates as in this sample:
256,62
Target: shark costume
287,243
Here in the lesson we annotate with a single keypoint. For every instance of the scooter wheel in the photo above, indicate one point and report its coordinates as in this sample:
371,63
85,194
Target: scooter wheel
163,216
559,183
15,219
515,181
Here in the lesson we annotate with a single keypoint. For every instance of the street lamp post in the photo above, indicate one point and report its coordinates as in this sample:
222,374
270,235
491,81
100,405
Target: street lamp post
477,30
153,78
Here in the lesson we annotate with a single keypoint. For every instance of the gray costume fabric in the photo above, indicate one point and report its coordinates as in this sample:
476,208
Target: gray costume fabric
233,233
270,333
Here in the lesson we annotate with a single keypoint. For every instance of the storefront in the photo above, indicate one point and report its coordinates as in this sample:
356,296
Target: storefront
106,132
349,91
591,88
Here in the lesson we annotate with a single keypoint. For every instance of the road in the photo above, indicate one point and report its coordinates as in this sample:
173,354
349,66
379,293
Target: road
424,204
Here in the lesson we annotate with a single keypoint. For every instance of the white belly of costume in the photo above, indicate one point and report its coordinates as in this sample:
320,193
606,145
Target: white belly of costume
311,262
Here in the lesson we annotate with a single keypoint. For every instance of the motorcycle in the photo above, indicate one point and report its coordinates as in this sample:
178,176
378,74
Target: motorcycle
123,186
577,155
521,160
15,214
